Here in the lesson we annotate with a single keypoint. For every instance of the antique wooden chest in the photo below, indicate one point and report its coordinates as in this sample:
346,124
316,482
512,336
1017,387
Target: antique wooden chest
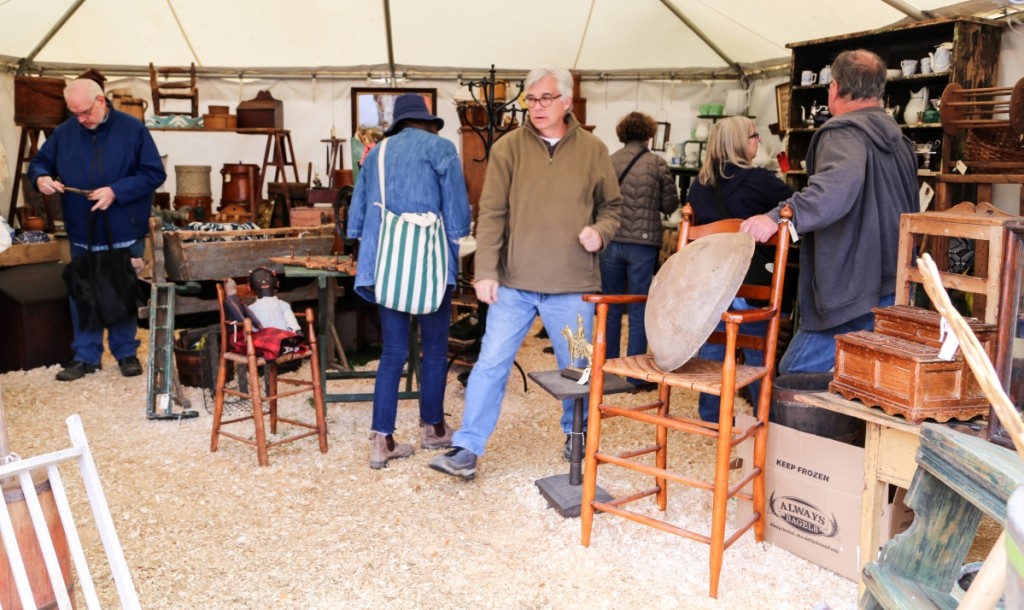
905,378
922,326
263,111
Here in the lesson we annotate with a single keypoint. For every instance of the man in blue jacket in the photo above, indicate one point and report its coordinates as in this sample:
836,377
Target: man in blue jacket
111,157
862,175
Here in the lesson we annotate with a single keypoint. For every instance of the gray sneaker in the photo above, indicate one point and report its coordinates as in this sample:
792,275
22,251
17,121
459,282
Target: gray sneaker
458,462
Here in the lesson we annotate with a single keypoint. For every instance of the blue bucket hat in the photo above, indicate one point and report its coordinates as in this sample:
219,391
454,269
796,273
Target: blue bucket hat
411,106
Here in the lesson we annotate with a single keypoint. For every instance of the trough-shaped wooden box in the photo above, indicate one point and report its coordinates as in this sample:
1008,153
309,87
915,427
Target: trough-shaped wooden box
188,260
922,326
905,378
22,254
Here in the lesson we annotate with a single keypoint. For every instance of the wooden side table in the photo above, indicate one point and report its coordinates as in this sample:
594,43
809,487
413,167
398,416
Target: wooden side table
564,492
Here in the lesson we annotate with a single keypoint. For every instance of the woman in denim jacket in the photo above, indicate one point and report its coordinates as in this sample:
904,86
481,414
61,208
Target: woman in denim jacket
424,174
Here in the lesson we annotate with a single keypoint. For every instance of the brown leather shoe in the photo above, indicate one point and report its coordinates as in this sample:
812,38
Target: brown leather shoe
383,449
429,438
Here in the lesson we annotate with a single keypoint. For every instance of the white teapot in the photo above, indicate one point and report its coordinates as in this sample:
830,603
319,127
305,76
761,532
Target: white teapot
941,57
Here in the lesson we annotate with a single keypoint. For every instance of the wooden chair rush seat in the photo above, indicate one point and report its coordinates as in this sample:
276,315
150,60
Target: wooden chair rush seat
253,363
712,377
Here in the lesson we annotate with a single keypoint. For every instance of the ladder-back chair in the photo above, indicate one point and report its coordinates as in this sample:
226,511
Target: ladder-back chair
178,89
720,378
253,392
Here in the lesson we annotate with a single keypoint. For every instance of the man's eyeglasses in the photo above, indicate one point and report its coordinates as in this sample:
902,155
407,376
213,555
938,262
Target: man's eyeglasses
543,101
755,136
84,113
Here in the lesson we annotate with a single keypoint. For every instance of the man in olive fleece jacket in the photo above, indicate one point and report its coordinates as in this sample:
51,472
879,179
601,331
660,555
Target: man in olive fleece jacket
550,203
862,176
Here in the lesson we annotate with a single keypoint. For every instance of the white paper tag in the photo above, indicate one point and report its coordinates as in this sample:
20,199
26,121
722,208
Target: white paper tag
925,195
585,377
949,341
792,234
960,167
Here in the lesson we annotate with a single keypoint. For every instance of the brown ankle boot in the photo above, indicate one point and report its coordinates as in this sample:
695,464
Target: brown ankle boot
383,448
435,436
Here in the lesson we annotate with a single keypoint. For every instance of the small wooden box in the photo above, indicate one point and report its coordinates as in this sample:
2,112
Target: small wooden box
905,378
263,111
921,325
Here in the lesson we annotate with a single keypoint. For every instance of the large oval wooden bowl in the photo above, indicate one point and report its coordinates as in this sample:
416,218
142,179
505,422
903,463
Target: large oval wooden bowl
690,292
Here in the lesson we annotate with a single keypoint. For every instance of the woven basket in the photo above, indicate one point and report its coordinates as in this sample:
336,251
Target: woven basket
192,181
994,146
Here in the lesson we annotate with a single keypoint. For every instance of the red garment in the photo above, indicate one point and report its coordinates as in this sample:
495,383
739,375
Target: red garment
270,343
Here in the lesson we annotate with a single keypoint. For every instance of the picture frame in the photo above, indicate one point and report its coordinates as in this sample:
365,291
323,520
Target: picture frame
661,136
782,92
372,107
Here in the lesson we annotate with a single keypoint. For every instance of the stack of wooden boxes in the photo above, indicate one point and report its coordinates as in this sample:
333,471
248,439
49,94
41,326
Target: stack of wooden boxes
897,367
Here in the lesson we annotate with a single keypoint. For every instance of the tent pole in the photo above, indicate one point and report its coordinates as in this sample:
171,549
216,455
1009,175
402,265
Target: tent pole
910,11
387,32
53,32
700,34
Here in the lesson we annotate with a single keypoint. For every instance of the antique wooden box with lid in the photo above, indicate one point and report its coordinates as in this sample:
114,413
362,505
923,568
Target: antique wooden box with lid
263,111
897,367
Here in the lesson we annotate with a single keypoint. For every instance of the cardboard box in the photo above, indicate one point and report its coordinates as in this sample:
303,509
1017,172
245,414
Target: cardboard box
814,487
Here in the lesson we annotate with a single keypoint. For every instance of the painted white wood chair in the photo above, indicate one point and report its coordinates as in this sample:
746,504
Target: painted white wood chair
21,470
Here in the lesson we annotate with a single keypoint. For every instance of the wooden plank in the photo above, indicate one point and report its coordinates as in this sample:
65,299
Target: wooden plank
22,254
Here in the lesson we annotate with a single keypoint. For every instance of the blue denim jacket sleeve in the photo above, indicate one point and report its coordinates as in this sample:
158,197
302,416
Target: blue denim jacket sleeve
423,174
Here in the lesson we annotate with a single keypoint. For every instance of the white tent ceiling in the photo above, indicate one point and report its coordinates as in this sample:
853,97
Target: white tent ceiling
625,38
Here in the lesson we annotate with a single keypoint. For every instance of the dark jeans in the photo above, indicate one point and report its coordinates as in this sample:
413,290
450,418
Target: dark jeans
433,330
627,269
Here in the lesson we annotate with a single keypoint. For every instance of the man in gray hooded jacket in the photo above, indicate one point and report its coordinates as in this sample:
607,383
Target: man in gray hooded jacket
862,175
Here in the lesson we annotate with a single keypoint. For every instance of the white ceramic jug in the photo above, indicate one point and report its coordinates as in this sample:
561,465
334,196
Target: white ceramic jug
700,132
764,156
940,58
918,102
737,101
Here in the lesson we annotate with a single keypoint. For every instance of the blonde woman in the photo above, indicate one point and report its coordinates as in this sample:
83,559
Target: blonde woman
730,186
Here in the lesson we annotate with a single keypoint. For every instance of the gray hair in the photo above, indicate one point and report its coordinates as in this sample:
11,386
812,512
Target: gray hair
83,86
562,76
860,75
727,143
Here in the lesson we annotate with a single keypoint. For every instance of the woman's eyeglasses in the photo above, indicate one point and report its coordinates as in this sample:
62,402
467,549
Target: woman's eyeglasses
755,136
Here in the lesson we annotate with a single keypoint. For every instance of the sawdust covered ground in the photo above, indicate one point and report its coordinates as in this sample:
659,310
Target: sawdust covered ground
214,530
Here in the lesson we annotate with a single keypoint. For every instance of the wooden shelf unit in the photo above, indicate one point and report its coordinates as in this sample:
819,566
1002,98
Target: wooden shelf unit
973,63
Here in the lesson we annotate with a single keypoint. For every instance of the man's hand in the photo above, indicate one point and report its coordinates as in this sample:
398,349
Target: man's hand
590,239
48,186
486,291
104,198
761,227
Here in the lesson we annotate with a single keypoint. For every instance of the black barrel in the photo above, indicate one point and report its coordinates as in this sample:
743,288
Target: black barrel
807,418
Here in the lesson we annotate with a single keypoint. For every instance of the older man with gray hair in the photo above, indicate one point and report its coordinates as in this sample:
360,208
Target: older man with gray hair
550,203
862,175
112,163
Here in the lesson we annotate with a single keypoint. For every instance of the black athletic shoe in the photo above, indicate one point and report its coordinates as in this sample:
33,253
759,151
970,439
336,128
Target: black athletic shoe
130,366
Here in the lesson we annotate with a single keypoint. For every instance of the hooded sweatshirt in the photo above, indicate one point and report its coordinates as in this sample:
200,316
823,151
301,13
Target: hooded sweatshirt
862,175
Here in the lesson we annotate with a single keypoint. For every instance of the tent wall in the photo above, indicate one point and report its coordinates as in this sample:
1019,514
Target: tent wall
312,107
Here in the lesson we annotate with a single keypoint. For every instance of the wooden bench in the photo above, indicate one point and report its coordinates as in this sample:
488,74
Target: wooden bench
959,478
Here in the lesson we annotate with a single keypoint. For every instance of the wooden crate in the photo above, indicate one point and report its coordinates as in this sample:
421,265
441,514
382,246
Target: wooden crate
239,252
922,326
905,378
22,254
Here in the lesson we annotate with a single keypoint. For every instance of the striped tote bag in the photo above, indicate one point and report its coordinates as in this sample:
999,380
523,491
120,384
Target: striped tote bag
411,270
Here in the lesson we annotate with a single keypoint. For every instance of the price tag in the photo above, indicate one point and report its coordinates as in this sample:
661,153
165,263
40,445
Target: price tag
792,233
925,195
949,341
960,167
585,377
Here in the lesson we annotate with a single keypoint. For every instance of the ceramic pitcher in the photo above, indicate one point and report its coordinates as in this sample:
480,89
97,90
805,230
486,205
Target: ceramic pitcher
941,57
918,102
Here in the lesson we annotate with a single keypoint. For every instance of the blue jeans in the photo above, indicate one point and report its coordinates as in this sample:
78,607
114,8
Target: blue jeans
814,351
627,269
88,344
433,329
708,404
508,321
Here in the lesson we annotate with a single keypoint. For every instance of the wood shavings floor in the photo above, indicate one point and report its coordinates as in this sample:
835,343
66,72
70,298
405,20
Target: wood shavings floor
214,530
